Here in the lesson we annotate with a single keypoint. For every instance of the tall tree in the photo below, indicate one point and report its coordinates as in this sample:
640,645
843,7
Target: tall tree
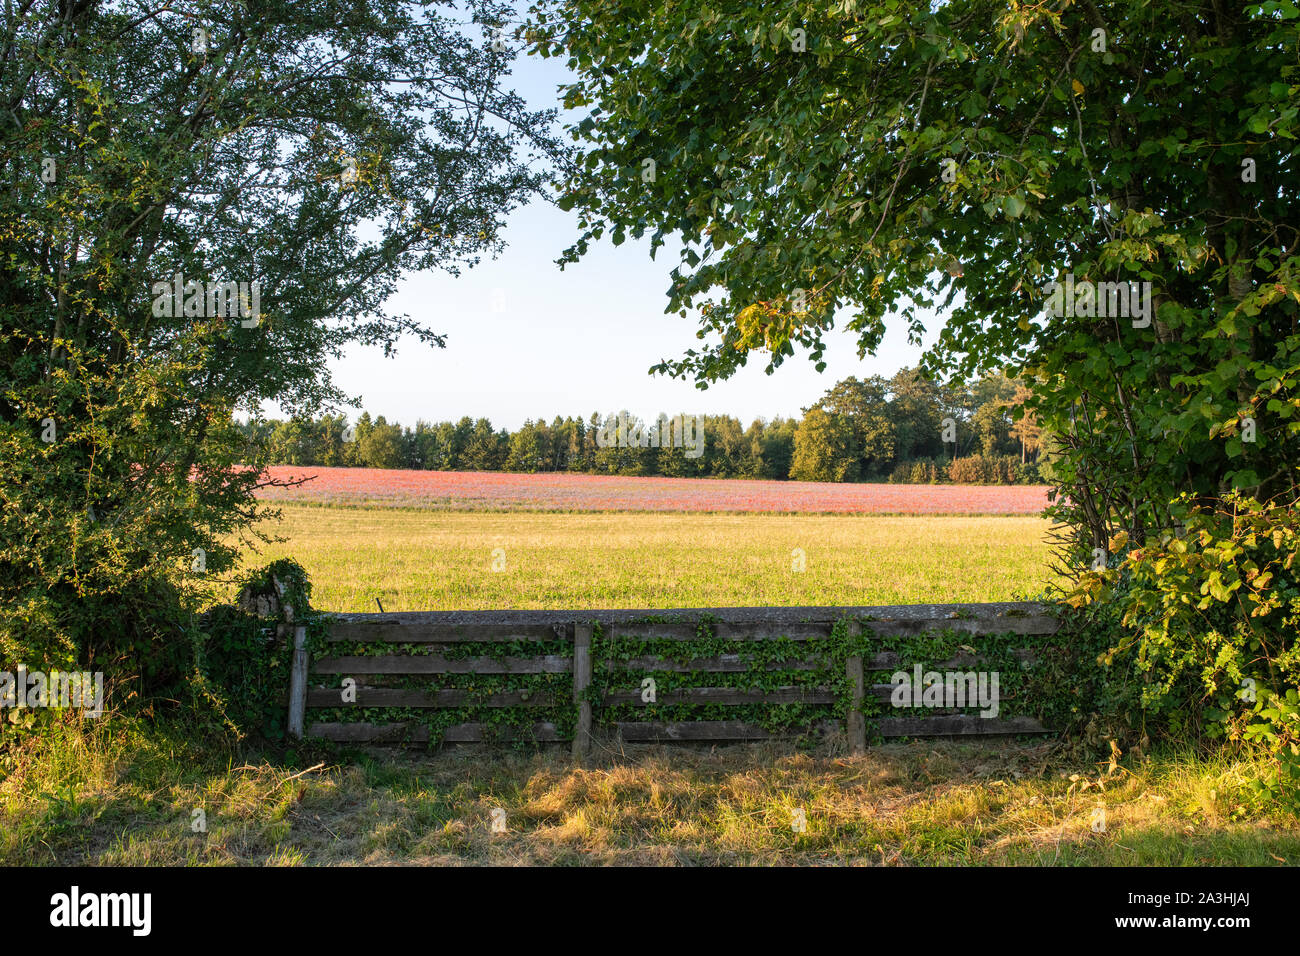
526,451
862,408
1025,429
381,446
486,449
202,204
824,448
915,410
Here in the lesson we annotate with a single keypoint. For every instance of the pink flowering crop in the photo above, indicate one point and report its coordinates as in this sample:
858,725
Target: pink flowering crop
478,490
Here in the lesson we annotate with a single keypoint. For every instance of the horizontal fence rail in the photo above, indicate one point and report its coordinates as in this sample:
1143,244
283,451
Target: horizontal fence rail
592,674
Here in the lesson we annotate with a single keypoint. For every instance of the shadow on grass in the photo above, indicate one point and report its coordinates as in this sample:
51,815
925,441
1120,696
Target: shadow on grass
124,792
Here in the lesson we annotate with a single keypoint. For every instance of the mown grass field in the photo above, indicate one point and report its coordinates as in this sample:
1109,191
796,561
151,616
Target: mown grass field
413,560
116,796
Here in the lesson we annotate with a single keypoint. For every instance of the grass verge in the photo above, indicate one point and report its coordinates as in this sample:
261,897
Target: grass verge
113,792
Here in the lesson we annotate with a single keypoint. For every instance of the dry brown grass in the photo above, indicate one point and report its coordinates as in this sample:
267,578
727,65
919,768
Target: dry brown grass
906,804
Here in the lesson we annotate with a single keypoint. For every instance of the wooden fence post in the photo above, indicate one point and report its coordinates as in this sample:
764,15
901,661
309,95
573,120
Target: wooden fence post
298,667
298,682
856,723
581,681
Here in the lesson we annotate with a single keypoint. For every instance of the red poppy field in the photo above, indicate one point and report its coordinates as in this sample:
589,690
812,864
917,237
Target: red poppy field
496,491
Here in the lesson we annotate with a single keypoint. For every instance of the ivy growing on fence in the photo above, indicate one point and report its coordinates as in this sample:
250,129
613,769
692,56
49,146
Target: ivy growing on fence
496,721
637,677
822,660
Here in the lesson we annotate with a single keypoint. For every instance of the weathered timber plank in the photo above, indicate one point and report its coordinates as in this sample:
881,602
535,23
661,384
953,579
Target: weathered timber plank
812,630
738,663
722,664
757,631
448,697
405,732
957,725
1028,624
395,630
582,633
890,660
732,632
729,695
436,664
939,725
474,733
856,725
765,616
705,730
884,692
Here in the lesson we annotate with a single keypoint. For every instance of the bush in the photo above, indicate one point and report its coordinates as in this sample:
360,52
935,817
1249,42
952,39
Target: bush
244,663
1211,627
982,470
971,470
1089,702
1027,473
1008,469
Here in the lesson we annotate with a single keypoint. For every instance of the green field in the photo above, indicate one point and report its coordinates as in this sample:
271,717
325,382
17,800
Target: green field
435,560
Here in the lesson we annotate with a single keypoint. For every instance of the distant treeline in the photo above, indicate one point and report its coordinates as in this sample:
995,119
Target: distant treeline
901,429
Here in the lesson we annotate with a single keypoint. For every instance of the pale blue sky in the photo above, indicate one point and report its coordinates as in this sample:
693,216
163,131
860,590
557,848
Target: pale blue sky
571,342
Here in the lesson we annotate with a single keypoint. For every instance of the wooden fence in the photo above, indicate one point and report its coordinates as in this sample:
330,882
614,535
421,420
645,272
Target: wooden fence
434,638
